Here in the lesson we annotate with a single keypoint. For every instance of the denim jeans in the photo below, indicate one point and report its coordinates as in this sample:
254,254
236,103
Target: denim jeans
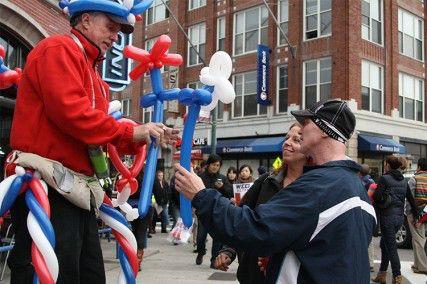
202,234
164,216
389,227
77,243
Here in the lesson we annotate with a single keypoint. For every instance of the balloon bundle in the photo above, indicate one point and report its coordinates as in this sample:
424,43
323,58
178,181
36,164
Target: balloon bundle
38,220
8,78
152,61
217,88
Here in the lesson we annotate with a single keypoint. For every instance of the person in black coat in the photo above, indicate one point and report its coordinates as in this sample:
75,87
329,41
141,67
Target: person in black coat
212,179
389,198
174,202
263,189
161,193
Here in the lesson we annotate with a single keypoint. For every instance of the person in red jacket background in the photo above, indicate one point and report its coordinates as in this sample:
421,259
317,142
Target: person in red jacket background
61,109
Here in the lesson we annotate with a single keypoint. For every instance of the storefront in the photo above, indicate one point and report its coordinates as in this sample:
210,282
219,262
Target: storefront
415,149
259,151
373,150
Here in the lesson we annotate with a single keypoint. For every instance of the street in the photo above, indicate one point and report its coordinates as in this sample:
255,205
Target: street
165,263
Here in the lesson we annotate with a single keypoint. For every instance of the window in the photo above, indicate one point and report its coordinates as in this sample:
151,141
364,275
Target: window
411,34
245,103
411,97
194,4
148,45
318,18
126,107
282,89
156,13
317,80
372,20
372,87
220,34
197,34
220,107
250,29
283,20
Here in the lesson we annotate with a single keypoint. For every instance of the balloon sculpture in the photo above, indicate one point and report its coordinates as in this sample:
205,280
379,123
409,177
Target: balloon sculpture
152,61
217,87
38,220
8,78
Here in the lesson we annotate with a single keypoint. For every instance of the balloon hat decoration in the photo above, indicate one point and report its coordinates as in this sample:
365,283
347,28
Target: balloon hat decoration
124,11
217,87
8,77
38,221
152,61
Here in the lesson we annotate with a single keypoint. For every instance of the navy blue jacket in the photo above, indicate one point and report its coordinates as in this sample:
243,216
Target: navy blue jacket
317,230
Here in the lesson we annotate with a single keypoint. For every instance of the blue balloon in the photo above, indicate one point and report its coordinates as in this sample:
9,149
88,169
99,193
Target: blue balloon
117,115
41,217
114,213
156,99
127,268
194,99
11,194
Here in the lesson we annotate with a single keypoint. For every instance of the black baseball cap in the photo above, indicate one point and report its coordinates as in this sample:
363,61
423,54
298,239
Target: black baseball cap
333,117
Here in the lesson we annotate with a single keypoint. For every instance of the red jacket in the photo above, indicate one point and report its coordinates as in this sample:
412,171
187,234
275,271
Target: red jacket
54,117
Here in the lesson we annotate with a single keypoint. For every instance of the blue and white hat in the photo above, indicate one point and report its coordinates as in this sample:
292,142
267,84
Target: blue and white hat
120,11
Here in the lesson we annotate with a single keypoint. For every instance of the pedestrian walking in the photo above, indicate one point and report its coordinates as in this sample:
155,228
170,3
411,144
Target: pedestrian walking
161,193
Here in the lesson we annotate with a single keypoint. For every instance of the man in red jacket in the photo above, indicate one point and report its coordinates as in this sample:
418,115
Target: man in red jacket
61,109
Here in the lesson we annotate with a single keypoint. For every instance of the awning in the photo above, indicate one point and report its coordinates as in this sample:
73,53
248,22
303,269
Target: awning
248,145
379,144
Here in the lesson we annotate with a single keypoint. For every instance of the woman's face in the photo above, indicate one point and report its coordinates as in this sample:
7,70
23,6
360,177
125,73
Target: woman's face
160,176
214,167
245,173
231,175
292,146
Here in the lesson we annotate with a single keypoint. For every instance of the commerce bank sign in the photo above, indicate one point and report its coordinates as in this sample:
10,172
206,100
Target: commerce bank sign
116,67
384,148
237,150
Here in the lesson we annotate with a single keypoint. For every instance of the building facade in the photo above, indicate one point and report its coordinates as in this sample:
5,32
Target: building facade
368,52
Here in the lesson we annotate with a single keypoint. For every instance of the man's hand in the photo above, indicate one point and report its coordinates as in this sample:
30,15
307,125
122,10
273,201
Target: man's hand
222,261
159,131
188,183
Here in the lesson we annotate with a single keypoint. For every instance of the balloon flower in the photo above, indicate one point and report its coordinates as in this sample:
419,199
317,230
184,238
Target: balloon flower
8,78
217,88
153,61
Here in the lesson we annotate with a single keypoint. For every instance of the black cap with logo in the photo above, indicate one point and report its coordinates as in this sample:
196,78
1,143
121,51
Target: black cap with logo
333,117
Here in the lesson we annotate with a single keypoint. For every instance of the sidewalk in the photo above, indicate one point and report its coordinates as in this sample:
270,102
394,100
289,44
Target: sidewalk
166,263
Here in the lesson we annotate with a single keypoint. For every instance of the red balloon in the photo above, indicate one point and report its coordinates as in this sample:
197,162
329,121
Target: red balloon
40,266
138,18
9,78
2,51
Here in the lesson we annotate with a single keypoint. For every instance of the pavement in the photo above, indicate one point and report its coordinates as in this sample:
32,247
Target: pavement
165,263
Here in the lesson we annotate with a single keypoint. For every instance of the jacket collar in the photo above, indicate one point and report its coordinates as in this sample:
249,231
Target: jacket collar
93,52
350,164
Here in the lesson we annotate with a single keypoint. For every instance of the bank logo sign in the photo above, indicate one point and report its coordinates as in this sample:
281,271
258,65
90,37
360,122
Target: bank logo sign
384,148
116,67
263,75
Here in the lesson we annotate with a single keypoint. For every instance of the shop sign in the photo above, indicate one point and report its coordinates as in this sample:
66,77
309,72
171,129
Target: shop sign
383,148
116,67
237,149
200,141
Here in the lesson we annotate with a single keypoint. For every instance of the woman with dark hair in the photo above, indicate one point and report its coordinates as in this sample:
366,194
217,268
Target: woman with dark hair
232,175
245,174
389,198
212,179
263,189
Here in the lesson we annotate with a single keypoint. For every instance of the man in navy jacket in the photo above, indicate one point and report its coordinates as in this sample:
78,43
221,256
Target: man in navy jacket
318,229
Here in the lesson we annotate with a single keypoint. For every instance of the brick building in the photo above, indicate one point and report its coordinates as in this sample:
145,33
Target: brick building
368,52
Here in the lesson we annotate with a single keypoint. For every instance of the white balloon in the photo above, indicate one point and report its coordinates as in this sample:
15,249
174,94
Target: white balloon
20,171
114,106
119,227
5,185
131,19
43,245
224,90
131,213
221,65
128,4
123,196
210,106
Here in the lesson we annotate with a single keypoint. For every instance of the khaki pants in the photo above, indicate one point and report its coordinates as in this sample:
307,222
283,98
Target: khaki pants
418,243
